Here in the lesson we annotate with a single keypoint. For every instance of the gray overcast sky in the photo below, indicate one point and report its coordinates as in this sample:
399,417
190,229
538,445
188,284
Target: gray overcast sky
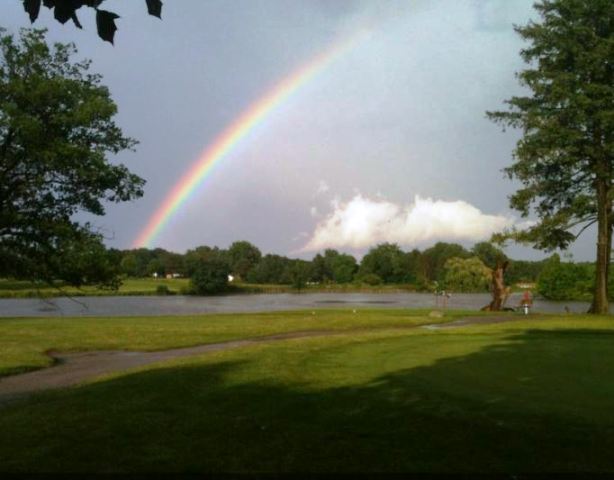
401,114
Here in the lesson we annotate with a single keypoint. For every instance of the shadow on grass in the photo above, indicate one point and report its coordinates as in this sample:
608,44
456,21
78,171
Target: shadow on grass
536,401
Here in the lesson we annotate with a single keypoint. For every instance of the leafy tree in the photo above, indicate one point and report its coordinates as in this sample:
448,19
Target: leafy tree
128,265
333,267
115,256
565,280
192,257
434,258
466,275
321,269
490,255
171,262
299,273
64,10
134,263
83,260
564,158
385,261
243,256
210,276
270,269
523,271
155,266
343,267
145,262
56,130
412,263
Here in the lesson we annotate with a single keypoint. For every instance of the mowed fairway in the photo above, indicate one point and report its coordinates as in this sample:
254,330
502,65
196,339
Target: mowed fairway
528,396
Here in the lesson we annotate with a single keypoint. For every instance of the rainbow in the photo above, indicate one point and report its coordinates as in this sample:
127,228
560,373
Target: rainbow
256,113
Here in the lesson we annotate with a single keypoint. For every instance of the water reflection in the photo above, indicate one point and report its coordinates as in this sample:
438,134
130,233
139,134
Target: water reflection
178,305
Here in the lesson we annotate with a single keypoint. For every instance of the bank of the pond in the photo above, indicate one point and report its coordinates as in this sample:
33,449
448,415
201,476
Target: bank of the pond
178,286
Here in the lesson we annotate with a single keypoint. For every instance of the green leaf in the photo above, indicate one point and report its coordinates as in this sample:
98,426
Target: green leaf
154,7
63,11
105,22
32,7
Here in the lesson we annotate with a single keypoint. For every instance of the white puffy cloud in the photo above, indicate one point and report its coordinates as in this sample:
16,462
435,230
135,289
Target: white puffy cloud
363,222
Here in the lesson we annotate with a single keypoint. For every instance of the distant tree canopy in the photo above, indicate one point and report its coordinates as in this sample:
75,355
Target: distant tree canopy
466,275
566,280
56,130
490,255
383,264
333,267
299,273
193,257
555,279
343,267
523,271
583,286
210,275
64,10
271,269
386,261
243,257
434,258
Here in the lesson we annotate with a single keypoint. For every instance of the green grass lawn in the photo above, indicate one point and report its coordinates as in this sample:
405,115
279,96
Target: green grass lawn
130,286
23,341
530,396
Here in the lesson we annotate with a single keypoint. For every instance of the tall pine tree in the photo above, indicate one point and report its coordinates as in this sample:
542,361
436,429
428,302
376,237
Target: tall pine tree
565,155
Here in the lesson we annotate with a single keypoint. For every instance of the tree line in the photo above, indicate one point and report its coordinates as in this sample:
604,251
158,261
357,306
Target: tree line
444,265
566,280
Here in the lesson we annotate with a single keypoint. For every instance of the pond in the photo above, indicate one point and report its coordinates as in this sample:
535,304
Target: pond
183,305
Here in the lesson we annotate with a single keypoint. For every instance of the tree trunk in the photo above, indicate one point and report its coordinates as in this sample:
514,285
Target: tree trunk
604,241
499,290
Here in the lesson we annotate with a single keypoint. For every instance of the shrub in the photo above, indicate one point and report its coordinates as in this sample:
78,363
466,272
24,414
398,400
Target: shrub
371,279
466,275
210,276
299,274
163,290
565,280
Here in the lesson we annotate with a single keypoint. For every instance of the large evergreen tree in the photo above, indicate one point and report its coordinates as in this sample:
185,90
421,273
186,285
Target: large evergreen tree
56,131
564,159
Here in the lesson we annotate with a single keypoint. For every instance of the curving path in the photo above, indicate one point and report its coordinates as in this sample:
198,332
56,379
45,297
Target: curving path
73,368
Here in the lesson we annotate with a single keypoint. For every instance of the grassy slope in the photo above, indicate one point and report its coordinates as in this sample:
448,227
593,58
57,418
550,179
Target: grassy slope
130,286
527,396
23,341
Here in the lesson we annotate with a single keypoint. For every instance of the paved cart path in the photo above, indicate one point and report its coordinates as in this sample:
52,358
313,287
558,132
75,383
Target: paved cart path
73,368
